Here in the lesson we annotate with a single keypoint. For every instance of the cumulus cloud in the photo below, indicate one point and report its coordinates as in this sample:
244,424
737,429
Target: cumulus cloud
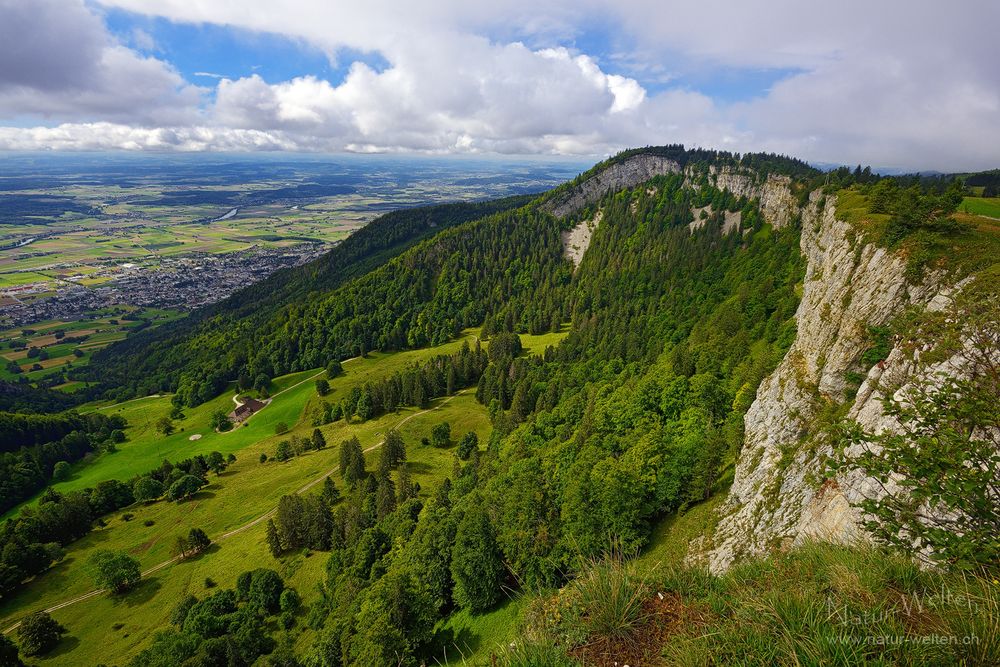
58,61
889,83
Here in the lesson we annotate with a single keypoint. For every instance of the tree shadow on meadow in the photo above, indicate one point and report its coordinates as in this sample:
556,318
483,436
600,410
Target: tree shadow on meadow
139,595
67,644
455,646
210,549
419,467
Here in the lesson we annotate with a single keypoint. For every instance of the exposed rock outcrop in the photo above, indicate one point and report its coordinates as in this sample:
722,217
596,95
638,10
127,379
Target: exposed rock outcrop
774,193
619,176
576,241
778,497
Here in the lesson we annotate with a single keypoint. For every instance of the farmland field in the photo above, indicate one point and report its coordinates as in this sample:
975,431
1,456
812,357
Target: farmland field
46,351
78,223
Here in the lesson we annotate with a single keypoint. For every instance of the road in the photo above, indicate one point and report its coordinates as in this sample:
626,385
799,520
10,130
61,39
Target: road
250,524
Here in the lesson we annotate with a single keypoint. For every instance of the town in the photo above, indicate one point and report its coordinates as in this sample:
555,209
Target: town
181,282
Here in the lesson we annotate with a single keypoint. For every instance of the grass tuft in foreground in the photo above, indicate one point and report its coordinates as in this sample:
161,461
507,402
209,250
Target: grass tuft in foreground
818,604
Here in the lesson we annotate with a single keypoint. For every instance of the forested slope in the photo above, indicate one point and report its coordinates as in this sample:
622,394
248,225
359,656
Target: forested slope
203,341
636,415
509,265
700,296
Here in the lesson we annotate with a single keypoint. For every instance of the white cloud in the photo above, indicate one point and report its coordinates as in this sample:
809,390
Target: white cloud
57,61
889,83
471,96
141,39
115,136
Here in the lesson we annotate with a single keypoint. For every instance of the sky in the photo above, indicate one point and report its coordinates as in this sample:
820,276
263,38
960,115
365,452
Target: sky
908,84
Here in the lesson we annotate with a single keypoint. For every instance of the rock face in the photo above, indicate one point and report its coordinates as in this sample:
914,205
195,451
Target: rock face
778,497
626,174
576,241
774,193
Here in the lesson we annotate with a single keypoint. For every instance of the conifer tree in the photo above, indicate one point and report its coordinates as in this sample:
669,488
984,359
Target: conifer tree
330,493
385,496
273,541
476,565
318,441
352,462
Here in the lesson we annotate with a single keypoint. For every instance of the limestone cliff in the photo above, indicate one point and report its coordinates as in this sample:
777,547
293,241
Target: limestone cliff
778,497
625,174
773,192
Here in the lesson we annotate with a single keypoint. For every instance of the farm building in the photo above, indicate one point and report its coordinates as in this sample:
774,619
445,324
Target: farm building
247,408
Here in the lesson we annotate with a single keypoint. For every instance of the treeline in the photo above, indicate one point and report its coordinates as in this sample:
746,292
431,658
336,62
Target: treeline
988,180
217,337
701,158
914,207
415,386
22,397
32,541
19,430
32,445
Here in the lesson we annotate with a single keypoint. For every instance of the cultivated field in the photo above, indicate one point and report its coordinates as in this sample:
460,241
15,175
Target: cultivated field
60,346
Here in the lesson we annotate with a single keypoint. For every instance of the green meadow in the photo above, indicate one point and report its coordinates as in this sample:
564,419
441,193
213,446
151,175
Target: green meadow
112,629
988,206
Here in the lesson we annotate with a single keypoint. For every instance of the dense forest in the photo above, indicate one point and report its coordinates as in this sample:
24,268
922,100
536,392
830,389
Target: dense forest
22,397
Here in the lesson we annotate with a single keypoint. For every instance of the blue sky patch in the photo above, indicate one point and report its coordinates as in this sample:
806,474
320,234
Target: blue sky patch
204,52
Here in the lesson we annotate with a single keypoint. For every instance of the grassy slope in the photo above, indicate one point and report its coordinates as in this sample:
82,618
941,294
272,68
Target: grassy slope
981,206
247,490
961,254
146,447
475,637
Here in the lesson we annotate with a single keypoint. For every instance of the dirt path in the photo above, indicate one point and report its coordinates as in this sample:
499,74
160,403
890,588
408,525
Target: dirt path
253,522
115,405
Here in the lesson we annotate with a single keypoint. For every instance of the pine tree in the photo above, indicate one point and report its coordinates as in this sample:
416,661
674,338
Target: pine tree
273,542
393,451
406,488
352,462
318,441
330,493
365,408
385,496
420,396
476,565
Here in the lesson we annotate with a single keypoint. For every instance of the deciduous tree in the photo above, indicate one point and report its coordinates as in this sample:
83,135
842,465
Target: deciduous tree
115,570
